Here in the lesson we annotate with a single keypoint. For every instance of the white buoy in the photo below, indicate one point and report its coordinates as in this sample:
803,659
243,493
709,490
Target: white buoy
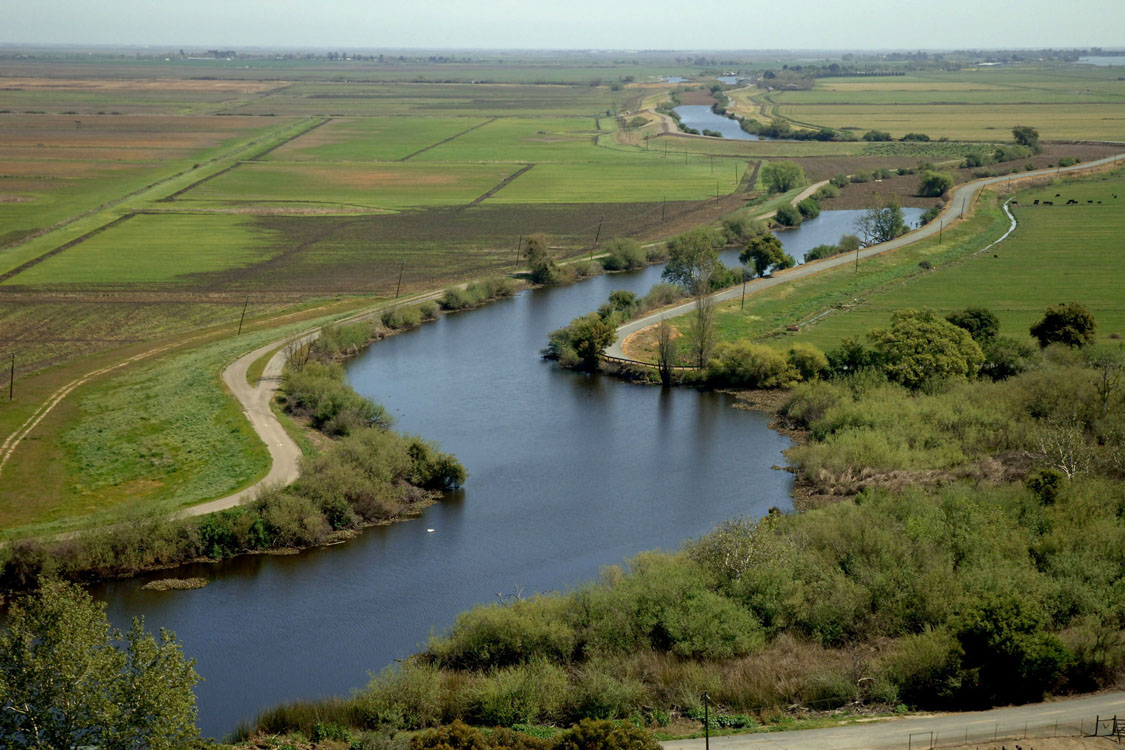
429,531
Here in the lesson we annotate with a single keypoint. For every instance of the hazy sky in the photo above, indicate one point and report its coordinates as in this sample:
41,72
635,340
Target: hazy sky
569,24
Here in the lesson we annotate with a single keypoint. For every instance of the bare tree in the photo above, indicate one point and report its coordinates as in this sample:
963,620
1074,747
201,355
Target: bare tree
1062,446
1107,379
665,352
701,329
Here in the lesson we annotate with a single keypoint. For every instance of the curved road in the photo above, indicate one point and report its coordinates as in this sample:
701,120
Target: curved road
960,202
1066,718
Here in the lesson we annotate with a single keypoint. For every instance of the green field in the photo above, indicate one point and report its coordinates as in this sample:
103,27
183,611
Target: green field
154,248
381,186
373,139
533,139
1057,254
653,180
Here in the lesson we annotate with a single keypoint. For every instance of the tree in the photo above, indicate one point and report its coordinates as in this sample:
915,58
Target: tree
981,323
920,347
63,682
934,184
665,352
876,135
701,325
881,223
809,208
1025,135
782,176
541,260
582,343
763,253
1068,323
691,256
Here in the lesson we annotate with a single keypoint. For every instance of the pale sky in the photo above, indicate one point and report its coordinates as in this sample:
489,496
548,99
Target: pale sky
568,24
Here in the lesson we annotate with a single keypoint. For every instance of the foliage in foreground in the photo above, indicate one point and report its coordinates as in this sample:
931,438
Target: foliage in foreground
981,575
65,683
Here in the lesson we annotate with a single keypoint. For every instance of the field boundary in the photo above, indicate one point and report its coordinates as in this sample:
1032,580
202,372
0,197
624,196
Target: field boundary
503,184
65,246
447,140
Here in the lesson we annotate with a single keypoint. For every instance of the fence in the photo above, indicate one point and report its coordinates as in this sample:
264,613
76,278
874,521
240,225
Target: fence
987,733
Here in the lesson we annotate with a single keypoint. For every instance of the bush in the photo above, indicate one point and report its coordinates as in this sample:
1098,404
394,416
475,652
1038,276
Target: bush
861,176
623,255
1070,324
745,365
821,251
1067,161
788,216
429,310
605,735
934,184
876,135
840,180
916,137
809,208
808,361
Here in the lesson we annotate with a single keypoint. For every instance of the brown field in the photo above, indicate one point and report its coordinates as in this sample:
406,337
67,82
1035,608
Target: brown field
137,84
166,134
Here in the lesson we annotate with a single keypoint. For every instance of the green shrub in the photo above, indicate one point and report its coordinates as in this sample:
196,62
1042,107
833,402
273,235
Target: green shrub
808,361
623,255
605,735
840,180
824,192
746,365
809,208
504,635
788,216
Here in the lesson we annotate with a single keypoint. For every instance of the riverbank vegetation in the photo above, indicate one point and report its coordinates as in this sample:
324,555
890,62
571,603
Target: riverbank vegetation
958,566
366,474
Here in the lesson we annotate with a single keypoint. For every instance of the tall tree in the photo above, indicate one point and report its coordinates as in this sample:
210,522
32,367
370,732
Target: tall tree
1068,323
1025,135
541,260
882,222
763,253
919,346
64,683
692,256
782,176
701,324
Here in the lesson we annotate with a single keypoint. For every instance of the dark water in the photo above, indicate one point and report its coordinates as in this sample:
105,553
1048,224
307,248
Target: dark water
700,117
827,229
568,473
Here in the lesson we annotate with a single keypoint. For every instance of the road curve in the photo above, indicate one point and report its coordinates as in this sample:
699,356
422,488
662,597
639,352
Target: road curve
959,203
1069,718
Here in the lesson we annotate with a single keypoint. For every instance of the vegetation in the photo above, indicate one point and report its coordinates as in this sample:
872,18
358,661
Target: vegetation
765,254
881,223
692,256
935,184
1070,324
67,679
782,176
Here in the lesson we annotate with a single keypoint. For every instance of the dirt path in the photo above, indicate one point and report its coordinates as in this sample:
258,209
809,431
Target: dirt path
959,204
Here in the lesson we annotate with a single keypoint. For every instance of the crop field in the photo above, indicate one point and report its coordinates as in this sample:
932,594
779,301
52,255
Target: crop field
517,139
1074,102
374,138
447,100
1059,253
380,186
161,96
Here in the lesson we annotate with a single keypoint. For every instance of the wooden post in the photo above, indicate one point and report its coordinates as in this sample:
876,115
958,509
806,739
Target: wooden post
706,721
519,247
743,307
940,229
401,269
663,206
240,320
12,378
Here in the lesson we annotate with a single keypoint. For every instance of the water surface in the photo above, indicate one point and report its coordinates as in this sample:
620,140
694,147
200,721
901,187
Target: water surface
701,117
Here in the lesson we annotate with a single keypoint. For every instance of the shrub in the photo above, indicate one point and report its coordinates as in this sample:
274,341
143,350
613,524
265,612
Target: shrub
824,192
861,176
623,254
788,216
746,365
807,360
934,184
495,635
916,137
821,251
809,208
839,180
1070,324
1068,161
876,135
605,735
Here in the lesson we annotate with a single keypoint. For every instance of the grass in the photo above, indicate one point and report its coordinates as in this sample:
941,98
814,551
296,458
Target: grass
1058,254
519,139
385,186
154,248
373,138
653,180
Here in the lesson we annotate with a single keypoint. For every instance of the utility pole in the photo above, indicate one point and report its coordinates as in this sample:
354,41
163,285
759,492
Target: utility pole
244,306
706,721
663,206
712,164
519,246
940,229
401,269
12,378
743,291
857,260
598,236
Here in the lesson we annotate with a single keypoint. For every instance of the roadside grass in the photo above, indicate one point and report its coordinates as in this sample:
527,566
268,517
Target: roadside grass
1057,254
154,248
771,311
258,366
383,185
372,138
159,436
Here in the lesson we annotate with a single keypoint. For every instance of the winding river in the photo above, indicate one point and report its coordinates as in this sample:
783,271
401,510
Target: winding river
568,473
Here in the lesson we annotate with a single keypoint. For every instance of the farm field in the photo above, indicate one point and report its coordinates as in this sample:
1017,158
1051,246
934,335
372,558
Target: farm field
205,188
972,104
1058,254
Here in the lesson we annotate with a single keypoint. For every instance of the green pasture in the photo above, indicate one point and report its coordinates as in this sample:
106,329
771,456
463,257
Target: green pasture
518,139
969,122
372,139
639,181
434,99
153,248
1057,254
384,185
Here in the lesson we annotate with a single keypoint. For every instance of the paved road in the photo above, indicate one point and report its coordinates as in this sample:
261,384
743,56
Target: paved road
960,203
1072,717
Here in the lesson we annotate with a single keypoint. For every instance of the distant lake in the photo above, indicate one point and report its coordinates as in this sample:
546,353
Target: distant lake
675,79
1102,60
728,80
700,117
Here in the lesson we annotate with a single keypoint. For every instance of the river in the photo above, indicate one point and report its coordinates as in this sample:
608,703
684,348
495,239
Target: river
568,473
701,117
